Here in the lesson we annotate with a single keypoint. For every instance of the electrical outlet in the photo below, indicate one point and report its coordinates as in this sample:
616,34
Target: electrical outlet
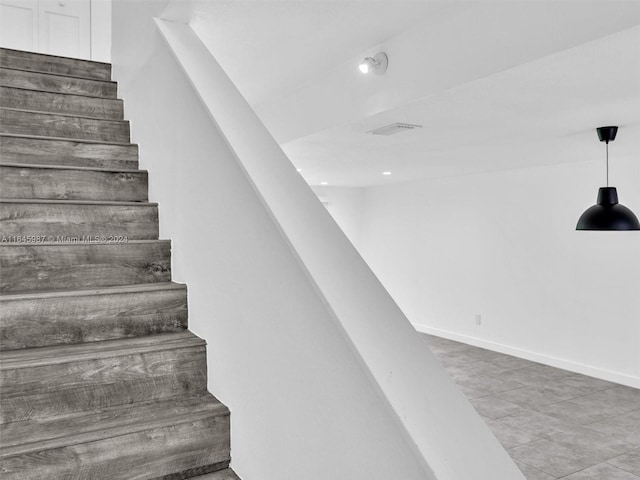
478,319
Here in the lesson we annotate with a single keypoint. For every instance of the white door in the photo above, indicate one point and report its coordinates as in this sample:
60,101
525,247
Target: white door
19,24
64,27
56,27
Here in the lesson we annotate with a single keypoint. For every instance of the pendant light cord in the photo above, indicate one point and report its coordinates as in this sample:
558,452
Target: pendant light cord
607,164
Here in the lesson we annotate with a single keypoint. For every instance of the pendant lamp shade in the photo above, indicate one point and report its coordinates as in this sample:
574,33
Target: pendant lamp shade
607,214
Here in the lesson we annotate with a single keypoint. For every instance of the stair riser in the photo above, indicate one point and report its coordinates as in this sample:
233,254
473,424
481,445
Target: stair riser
61,103
59,222
48,125
40,151
56,83
41,322
64,184
49,267
49,390
201,446
56,65
19,438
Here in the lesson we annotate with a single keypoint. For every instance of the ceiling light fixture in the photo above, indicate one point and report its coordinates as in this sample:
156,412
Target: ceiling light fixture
607,214
324,183
376,64
386,173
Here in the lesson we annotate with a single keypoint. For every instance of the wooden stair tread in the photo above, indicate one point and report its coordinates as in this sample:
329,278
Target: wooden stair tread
30,149
43,434
56,83
71,167
143,287
171,440
47,382
77,202
56,244
59,354
55,74
21,182
65,139
69,264
31,91
77,221
27,122
61,103
91,68
66,317
62,114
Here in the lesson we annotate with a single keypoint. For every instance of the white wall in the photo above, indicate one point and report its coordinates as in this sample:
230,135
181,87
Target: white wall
441,428
346,207
504,245
302,406
101,30
324,376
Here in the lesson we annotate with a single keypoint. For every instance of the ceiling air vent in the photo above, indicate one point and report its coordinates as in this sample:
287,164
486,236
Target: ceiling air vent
393,129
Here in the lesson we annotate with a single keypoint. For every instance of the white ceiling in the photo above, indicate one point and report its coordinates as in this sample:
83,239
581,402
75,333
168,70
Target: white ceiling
540,113
535,112
267,47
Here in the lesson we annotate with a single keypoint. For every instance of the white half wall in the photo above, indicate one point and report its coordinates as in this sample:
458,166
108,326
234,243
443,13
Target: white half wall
504,245
302,404
345,206
324,376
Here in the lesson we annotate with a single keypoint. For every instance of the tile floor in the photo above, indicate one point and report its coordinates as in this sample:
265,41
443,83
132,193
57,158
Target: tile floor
553,423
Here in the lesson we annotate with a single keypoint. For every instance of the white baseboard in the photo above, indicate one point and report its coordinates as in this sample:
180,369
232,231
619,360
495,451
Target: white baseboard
621,378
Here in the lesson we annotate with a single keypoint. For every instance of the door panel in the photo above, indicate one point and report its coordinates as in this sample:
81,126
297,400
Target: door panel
65,28
19,24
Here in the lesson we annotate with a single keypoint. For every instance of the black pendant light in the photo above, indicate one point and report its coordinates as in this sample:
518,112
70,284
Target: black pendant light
607,213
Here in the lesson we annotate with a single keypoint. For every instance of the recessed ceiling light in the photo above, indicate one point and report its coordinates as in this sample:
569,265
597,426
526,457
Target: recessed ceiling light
386,173
324,183
298,169
393,129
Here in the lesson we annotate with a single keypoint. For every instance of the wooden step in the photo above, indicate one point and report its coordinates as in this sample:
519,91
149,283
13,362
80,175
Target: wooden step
50,266
24,122
39,383
89,315
69,220
172,439
47,82
54,64
176,438
72,183
29,149
94,107
28,435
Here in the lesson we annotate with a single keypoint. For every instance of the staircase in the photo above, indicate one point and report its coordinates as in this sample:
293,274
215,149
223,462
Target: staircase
100,378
